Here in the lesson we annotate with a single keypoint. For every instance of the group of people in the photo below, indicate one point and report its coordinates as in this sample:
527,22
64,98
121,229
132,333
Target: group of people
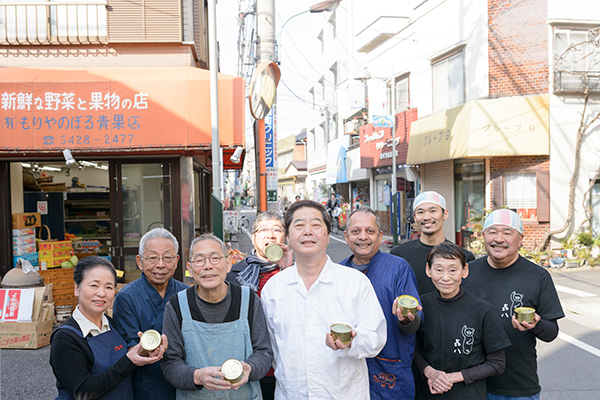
463,341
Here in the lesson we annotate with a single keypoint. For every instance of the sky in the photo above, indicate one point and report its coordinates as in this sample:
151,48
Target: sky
294,84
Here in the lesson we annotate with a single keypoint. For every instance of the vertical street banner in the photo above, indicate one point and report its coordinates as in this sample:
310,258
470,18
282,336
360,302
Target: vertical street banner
271,155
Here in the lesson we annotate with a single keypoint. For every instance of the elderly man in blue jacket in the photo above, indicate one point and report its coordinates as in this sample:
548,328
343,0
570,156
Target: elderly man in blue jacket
390,375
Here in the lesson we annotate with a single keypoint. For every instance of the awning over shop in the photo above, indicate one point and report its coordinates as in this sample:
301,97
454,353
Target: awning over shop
483,128
116,108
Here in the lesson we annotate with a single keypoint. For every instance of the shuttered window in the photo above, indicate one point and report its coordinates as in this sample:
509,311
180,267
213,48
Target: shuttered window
134,21
439,176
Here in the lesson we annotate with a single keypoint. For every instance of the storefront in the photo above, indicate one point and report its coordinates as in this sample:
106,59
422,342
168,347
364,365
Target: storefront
376,157
141,146
487,154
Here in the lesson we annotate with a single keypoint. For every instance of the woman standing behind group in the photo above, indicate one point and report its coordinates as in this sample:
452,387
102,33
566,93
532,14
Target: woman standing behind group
89,359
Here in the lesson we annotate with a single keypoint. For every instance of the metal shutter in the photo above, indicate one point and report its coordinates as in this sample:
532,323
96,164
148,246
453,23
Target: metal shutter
439,177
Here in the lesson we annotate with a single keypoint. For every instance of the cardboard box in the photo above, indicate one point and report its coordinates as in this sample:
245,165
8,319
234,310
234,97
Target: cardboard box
31,257
49,263
20,249
26,220
31,335
23,232
21,240
45,254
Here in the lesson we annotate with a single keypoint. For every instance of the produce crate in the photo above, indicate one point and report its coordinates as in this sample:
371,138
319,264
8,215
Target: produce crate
49,263
62,286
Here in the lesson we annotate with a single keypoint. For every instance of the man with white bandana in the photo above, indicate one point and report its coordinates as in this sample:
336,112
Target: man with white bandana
509,281
430,212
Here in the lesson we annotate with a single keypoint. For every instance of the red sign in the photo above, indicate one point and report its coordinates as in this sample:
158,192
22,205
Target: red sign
11,311
376,143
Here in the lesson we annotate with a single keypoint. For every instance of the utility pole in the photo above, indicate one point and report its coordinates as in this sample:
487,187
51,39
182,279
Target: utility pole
265,29
395,210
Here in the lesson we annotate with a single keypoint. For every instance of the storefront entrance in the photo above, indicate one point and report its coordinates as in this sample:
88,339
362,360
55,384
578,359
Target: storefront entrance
142,198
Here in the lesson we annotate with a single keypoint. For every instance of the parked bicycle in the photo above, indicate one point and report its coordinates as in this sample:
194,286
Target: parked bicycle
335,220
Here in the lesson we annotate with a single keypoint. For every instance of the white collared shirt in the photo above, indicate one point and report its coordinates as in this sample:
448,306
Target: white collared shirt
88,326
298,321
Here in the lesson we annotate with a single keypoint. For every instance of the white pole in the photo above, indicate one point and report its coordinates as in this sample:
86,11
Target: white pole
214,101
395,211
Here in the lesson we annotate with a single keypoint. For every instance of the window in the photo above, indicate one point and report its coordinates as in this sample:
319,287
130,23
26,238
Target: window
332,23
334,127
448,82
334,73
313,139
321,42
322,84
312,96
402,97
595,206
324,134
520,193
575,68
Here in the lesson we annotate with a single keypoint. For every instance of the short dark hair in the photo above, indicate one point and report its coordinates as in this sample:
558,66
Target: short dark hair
447,250
366,210
303,204
87,263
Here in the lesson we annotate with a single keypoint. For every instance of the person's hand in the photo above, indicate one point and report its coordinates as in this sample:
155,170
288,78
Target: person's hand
211,378
337,344
140,357
437,381
288,257
524,326
397,312
247,370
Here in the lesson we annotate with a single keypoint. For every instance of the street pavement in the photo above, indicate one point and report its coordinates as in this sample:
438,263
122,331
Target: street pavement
568,367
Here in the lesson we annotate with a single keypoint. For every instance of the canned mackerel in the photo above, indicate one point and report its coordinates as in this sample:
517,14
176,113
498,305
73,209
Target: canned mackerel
233,370
150,340
274,252
342,332
407,303
525,314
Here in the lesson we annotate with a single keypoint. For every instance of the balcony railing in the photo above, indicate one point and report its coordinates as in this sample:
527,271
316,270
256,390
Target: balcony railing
577,82
32,22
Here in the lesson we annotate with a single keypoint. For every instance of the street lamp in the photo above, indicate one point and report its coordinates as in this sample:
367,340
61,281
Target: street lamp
363,75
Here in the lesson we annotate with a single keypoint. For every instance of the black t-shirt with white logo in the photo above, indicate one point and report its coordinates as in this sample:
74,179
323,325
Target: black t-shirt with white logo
457,334
415,252
521,284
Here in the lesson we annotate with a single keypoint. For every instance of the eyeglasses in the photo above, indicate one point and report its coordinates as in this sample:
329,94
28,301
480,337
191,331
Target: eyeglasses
214,260
155,260
263,231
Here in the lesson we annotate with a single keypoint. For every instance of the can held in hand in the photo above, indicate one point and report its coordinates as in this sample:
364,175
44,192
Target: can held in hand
406,304
150,340
274,252
342,332
233,370
525,314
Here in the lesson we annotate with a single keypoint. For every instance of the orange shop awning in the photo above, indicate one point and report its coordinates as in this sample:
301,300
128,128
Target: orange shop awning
116,108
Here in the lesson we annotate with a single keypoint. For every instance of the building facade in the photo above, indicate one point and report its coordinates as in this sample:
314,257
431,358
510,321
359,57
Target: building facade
124,87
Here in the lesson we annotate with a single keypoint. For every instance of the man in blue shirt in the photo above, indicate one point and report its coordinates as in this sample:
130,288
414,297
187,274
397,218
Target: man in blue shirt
390,375
140,306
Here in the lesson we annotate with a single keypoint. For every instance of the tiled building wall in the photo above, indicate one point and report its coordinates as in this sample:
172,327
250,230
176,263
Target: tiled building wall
518,47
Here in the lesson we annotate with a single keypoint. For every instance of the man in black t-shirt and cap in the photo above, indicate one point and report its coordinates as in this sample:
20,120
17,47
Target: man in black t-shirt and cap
430,212
509,281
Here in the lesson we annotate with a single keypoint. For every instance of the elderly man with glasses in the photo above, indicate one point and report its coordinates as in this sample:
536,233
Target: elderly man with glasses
140,306
210,323
256,269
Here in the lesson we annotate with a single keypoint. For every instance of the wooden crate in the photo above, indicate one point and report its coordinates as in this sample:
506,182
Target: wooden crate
63,289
